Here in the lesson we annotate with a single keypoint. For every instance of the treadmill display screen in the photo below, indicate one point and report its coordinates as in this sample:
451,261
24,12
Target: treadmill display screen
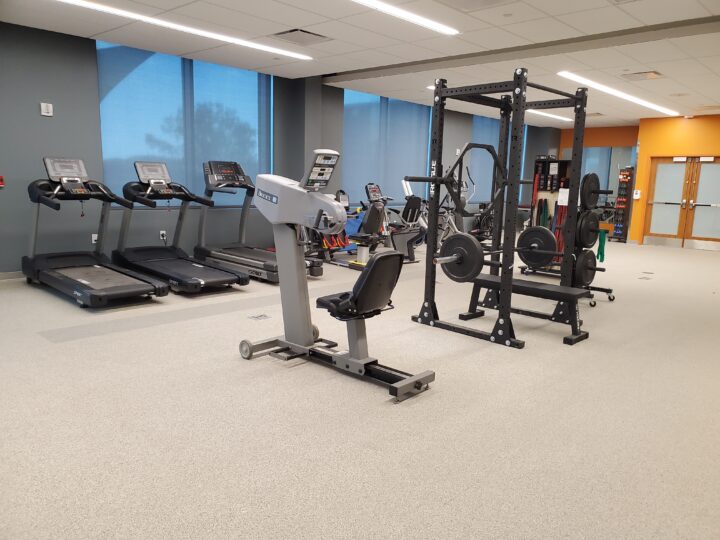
152,172
226,167
58,168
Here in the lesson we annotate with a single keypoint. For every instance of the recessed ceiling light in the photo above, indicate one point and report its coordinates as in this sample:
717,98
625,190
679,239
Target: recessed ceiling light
182,28
405,15
548,115
617,93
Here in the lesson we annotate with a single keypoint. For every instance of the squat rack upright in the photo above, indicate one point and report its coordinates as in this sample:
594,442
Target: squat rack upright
512,106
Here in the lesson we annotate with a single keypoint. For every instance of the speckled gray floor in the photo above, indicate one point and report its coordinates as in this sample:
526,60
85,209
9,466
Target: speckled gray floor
143,422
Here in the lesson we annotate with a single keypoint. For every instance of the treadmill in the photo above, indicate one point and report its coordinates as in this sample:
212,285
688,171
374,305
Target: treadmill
258,263
183,273
86,276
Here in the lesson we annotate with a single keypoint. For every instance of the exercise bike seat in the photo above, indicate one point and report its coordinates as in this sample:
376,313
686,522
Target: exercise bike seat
372,291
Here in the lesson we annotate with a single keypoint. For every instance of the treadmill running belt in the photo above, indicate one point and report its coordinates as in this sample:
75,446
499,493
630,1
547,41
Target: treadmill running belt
183,269
99,277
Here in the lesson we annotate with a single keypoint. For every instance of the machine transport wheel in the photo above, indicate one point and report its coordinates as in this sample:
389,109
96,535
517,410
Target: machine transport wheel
28,280
316,332
611,297
246,349
593,303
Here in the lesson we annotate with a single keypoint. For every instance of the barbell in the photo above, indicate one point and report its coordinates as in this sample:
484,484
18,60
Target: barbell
462,256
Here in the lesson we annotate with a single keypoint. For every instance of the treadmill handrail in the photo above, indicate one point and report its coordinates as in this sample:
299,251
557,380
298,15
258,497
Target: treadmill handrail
189,196
47,201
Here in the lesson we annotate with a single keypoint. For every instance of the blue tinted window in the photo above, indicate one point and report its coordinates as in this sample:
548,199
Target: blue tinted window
141,112
384,140
159,107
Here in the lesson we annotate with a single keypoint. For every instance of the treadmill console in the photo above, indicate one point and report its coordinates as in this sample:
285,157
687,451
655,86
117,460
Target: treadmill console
155,175
321,170
374,193
70,173
226,174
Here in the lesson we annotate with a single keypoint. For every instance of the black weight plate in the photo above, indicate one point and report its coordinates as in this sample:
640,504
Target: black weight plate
589,187
588,229
470,257
545,246
585,266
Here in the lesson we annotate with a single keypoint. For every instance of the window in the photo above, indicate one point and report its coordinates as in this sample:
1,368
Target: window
158,107
384,140
484,131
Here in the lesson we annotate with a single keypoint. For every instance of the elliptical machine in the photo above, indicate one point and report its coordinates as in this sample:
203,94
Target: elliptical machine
289,206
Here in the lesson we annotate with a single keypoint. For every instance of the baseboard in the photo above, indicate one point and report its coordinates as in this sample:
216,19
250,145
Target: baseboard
10,275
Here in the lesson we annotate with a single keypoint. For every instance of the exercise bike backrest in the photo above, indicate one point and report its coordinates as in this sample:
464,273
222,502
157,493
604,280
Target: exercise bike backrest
373,289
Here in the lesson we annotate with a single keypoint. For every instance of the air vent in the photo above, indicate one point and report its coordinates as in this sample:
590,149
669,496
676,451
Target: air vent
475,5
642,76
301,37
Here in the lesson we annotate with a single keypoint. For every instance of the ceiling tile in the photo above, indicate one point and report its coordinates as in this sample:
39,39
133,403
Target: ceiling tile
494,38
508,14
679,69
360,59
164,4
332,9
449,46
334,47
699,46
389,26
541,30
352,34
652,51
712,62
296,70
602,58
274,11
558,7
247,25
444,14
596,21
241,57
660,11
153,38
51,15
713,6
558,62
410,52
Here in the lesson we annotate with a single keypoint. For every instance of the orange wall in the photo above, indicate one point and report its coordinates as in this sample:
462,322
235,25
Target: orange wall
610,136
669,137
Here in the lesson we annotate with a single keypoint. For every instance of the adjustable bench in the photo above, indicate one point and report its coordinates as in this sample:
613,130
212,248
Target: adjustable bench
566,311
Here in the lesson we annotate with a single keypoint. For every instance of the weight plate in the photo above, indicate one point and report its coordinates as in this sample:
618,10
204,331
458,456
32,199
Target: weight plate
588,229
536,246
470,257
585,267
589,187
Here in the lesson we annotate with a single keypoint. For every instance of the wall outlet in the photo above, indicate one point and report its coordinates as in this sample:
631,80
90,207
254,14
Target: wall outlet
457,151
46,109
163,235
93,238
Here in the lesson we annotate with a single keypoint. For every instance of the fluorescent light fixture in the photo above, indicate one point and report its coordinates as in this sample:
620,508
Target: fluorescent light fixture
554,116
182,28
405,15
617,93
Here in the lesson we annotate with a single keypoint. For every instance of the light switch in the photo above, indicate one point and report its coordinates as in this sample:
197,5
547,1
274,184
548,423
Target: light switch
46,109
636,194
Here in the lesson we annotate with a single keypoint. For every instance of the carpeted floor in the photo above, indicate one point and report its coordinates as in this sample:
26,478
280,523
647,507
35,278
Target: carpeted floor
143,421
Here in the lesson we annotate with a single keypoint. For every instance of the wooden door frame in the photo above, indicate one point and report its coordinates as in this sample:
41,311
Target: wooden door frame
654,162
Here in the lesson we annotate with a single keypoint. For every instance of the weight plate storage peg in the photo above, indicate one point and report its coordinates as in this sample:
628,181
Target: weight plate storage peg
585,268
461,257
588,229
589,191
537,246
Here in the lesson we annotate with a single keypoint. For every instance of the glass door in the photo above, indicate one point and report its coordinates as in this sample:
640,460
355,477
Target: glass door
703,227
667,203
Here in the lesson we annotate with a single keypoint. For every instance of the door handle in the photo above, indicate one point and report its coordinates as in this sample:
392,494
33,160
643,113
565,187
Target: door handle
692,204
684,201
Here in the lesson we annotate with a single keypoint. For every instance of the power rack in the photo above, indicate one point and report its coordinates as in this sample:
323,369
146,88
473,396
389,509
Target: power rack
500,284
